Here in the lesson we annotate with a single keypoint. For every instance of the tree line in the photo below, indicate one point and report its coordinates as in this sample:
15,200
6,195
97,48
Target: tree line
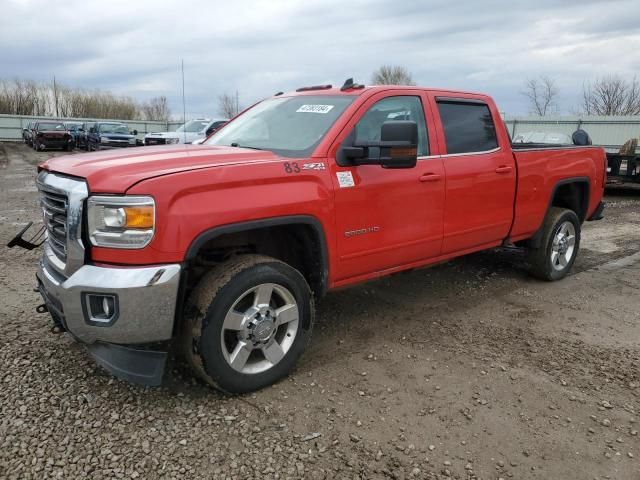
26,97
606,95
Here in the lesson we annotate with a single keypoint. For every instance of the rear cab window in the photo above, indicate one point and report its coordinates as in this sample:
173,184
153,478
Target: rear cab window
468,126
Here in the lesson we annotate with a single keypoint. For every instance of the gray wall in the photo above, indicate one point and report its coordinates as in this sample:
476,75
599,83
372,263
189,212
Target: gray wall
610,132
11,125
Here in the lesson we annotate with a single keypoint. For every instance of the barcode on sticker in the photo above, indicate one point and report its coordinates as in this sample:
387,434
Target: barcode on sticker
315,109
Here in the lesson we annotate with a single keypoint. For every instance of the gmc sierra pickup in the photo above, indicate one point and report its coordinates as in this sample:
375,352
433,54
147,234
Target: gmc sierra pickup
222,248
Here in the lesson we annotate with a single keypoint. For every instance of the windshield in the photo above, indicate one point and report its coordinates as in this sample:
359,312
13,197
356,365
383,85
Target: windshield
193,126
287,126
51,126
113,128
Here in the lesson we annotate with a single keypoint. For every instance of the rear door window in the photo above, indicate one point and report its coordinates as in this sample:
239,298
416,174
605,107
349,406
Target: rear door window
468,127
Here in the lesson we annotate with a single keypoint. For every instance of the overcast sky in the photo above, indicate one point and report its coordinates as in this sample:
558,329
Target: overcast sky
257,47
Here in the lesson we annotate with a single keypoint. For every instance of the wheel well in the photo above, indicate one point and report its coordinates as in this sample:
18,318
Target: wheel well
574,196
299,245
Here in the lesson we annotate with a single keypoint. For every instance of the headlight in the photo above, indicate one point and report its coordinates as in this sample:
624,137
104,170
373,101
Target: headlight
104,139
121,222
172,140
132,141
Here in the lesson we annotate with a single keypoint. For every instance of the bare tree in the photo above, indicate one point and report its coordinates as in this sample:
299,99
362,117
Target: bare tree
228,106
542,93
156,109
611,95
392,75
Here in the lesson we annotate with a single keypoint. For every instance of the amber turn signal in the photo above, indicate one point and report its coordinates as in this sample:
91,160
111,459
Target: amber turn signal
139,217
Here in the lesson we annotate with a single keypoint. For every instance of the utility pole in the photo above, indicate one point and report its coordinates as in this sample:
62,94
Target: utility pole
237,104
184,108
55,95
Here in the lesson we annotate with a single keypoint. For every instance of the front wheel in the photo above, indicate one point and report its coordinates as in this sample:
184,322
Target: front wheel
559,246
247,323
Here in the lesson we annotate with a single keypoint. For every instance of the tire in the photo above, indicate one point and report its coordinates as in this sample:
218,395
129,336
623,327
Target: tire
265,340
559,245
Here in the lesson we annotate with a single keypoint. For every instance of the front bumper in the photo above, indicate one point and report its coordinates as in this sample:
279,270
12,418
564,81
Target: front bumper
146,301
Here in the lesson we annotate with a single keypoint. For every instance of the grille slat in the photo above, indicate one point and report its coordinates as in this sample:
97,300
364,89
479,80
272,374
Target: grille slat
54,207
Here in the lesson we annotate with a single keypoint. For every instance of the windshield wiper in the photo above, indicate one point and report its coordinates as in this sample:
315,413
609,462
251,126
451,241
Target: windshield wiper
235,144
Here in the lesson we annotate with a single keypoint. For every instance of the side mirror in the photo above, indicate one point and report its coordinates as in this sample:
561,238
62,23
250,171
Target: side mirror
92,130
397,148
135,132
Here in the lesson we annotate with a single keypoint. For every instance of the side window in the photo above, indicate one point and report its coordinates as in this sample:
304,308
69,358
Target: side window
468,127
390,109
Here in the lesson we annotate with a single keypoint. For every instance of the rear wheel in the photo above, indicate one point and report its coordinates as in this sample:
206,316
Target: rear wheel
559,246
247,323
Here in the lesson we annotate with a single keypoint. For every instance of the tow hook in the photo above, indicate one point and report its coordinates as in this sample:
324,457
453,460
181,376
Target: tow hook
42,308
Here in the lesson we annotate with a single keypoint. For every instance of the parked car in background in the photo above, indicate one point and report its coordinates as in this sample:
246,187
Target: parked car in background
193,130
547,138
104,135
51,134
81,139
74,130
27,133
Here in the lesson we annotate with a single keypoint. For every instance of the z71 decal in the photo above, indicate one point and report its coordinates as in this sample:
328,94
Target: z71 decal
293,167
313,166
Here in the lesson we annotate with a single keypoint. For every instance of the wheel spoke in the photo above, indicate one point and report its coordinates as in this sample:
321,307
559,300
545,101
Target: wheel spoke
563,260
233,321
571,240
238,358
286,314
273,353
554,257
263,295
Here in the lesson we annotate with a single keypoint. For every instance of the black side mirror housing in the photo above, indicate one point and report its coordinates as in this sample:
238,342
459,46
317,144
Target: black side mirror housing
398,147
135,132
92,130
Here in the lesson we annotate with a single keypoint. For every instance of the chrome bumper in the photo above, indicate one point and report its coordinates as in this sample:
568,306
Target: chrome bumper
146,301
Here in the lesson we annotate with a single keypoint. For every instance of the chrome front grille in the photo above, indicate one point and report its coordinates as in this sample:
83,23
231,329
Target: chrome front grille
62,200
54,209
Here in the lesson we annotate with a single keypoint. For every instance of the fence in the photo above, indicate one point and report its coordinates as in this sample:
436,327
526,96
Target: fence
11,125
610,132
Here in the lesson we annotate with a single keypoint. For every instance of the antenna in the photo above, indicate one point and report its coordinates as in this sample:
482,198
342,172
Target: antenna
184,108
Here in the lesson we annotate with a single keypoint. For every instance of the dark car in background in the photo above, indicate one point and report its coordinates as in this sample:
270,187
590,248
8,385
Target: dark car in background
104,135
83,132
27,133
74,130
51,134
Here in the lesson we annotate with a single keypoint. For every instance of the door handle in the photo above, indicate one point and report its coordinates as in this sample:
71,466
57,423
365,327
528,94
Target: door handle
503,169
430,177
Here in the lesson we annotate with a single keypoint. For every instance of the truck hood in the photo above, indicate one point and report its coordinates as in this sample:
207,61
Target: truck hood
114,171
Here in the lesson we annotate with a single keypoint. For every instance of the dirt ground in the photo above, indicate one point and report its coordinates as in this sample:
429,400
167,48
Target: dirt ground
470,369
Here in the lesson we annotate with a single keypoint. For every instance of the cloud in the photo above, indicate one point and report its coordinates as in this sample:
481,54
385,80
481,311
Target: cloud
259,48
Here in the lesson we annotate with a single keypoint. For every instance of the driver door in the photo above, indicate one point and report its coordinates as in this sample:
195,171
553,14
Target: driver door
387,219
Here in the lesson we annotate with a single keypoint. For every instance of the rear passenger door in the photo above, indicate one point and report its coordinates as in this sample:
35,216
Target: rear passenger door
480,175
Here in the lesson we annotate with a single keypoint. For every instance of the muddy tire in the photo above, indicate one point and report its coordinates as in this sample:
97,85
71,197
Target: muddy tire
247,323
559,245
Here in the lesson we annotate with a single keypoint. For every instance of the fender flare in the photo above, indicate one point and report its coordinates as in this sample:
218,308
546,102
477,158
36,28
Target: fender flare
536,239
308,220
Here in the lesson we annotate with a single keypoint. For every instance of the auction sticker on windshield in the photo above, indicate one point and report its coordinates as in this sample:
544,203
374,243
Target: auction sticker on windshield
315,109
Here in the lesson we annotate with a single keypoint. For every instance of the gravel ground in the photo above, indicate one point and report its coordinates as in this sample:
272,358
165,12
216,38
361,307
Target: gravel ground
466,370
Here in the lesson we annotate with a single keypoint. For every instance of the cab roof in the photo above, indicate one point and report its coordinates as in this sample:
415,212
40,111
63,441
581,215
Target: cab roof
361,89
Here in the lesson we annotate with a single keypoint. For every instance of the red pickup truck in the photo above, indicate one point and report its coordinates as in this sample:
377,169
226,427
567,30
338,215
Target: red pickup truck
221,248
